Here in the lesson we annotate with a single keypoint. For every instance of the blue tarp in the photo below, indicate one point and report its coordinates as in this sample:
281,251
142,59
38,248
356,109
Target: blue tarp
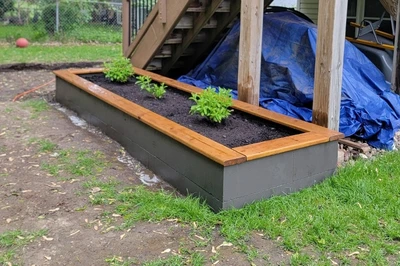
369,109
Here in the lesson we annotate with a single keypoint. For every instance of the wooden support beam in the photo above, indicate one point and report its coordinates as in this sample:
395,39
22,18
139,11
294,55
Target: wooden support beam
126,25
329,62
250,44
396,56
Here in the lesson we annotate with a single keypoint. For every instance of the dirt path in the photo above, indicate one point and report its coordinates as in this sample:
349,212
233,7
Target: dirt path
50,169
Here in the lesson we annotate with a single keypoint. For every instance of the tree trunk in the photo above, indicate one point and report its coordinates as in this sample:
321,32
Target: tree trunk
390,6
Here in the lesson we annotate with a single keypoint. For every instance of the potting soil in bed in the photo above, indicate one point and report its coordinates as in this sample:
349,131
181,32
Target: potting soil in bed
238,129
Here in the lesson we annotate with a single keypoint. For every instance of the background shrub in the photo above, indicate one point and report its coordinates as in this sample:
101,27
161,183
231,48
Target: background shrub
5,6
70,17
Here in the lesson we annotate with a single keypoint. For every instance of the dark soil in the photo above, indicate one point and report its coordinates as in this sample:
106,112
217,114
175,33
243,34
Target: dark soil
238,130
40,66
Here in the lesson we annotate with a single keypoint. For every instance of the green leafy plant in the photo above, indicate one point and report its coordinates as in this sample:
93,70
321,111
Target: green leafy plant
144,82
212,104
157,90
5,6
119,69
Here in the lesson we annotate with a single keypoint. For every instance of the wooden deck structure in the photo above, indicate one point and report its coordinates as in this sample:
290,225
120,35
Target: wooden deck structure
179,32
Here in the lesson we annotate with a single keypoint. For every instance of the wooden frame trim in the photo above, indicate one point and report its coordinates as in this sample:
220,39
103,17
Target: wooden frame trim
217,152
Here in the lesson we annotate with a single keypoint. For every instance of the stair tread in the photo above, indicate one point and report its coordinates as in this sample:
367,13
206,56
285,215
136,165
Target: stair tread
185,41
203,9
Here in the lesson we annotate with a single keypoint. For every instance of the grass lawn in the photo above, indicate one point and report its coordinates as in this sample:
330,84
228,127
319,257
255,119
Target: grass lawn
57,54
351,218
87,33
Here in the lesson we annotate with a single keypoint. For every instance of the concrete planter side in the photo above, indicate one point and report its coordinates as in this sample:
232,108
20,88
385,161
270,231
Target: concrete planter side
194,164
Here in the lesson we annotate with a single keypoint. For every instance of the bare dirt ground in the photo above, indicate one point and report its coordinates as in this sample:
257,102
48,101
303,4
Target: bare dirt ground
76,232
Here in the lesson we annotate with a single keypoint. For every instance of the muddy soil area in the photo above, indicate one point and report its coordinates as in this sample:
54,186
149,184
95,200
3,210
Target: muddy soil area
238,129
40,192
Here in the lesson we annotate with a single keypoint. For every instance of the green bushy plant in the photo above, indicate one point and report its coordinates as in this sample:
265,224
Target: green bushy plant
119,69
212,104
144,82
157,90
6,6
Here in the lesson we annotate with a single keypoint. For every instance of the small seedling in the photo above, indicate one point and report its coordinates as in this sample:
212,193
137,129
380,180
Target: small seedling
157,90
119,70
144,82
212,104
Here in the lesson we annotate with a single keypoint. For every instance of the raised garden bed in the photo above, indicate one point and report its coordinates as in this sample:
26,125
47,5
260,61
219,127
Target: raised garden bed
298,154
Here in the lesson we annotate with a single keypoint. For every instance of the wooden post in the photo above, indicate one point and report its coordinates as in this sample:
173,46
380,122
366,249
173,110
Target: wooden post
396,56
329,62
251,24
162,11
126,25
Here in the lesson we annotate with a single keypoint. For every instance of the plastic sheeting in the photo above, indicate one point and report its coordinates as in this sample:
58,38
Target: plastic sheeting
369,109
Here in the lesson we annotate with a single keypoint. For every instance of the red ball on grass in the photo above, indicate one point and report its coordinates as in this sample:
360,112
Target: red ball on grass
22,43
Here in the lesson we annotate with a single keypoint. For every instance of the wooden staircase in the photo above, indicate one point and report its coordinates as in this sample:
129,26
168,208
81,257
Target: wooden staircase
177,33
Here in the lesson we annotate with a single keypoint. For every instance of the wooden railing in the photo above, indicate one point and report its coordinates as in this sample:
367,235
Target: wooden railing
135,12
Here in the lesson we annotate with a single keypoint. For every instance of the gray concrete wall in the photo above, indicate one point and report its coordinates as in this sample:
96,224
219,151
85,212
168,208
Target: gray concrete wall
279,174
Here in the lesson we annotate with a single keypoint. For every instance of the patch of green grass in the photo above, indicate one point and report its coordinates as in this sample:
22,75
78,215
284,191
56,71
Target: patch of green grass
86,163
37,106
46,145
192,259
10,241
140,204
354,211
18,238
10,33
58,54
175,260
301,259
119,261
7,257
76,163
197,259
52,169
106,194
8,110
96,33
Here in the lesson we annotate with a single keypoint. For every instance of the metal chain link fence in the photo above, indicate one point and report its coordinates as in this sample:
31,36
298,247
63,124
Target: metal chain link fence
61,20
68,20
98,21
